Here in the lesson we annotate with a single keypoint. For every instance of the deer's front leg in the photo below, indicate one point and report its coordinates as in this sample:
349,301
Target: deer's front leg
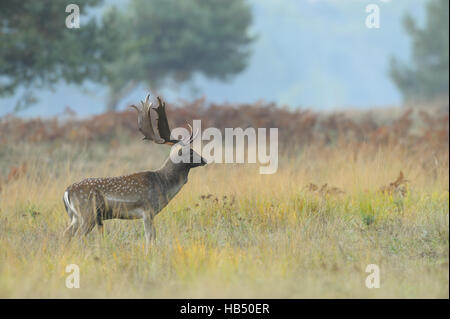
149,228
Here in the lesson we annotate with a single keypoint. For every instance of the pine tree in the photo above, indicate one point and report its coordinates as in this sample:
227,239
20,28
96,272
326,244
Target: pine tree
428,75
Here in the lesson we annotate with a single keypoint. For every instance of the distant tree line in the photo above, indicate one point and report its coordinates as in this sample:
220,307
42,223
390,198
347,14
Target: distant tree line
162,42
150,41
427,75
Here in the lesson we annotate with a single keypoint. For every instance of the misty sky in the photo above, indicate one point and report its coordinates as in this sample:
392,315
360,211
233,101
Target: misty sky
311,53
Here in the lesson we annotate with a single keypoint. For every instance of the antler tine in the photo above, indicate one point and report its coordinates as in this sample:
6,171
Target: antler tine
194,136
161,102
145,104
145,121
162,123
191,138
186,141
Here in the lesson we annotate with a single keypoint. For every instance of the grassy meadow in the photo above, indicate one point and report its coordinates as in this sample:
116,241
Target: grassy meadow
232,232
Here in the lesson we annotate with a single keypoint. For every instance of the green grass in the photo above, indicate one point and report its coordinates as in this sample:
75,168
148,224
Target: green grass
270,237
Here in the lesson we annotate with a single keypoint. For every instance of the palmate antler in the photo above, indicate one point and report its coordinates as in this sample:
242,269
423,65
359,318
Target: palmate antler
146,126
139,195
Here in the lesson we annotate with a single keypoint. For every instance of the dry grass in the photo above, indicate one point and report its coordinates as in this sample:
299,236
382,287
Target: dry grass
254,236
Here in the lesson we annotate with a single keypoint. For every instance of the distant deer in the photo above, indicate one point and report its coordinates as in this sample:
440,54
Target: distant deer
139,195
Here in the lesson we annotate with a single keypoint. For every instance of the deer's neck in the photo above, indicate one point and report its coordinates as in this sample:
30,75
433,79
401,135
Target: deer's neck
174,176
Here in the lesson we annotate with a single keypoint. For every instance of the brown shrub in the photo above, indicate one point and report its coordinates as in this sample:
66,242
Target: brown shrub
418,130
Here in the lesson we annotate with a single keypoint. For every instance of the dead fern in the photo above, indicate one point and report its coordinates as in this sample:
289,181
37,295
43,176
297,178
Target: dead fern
324,189
399,186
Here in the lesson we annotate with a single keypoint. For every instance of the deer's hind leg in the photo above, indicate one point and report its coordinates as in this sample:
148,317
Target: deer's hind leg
74,222
95,211
100,212
86,226
72,229
99,220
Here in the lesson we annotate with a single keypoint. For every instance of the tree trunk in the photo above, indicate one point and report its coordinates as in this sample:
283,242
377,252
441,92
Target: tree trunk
115,96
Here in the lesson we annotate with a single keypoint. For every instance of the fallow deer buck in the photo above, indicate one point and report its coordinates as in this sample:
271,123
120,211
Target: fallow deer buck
135,196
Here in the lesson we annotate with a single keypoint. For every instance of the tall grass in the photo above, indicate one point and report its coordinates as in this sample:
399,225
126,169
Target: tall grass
231,232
